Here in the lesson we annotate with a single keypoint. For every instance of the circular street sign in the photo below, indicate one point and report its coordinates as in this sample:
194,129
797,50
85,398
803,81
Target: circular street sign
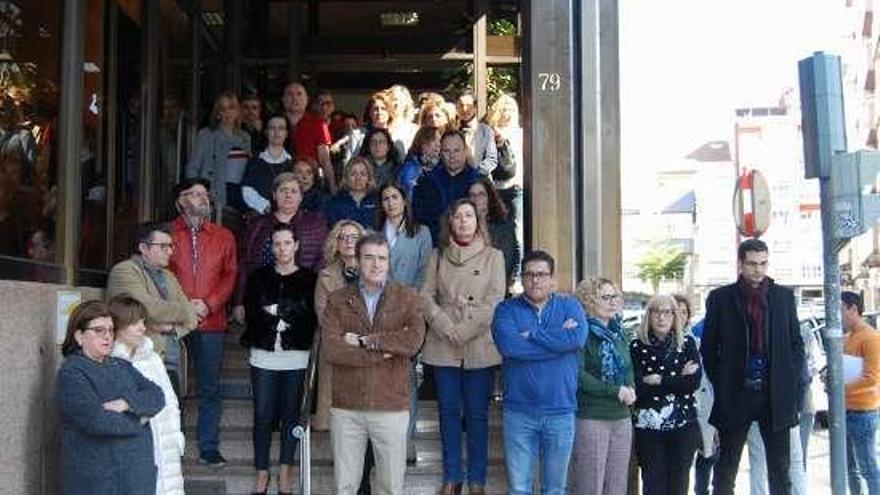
751,204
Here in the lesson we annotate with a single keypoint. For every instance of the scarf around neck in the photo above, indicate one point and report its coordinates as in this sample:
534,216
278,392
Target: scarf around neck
611,365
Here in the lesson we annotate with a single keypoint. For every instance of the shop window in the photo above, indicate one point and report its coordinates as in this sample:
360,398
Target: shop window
30,54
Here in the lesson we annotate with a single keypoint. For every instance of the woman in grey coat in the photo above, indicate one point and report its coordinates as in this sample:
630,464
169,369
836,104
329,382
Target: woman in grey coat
104,407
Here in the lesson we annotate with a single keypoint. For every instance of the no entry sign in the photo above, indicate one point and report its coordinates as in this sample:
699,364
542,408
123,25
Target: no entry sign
751,204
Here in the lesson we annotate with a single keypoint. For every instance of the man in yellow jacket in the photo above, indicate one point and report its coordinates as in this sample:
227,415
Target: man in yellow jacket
862,396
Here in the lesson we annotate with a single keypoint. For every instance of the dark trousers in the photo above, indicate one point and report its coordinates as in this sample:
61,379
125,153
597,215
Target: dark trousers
754,406
277,396
665,458
703,473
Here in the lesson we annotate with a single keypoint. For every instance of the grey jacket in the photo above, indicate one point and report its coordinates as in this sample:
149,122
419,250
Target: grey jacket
208,159
105,452
409,257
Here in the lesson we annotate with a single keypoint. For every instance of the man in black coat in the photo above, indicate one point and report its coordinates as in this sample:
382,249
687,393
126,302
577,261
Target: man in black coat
754,356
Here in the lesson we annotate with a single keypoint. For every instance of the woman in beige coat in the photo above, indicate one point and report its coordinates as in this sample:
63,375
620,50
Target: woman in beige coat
464,280
340,269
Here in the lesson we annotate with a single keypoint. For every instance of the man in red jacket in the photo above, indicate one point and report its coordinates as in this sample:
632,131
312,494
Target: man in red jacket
204,261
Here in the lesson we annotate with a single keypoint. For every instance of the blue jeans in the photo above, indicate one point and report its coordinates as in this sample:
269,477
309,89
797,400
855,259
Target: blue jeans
207,350
464,391
277,395
413,402
861,453
530,436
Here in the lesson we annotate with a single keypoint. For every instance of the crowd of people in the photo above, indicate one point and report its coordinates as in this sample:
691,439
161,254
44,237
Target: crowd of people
394,242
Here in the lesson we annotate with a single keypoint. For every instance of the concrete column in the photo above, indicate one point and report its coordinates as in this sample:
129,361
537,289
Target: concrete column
550,160
600,147
481,12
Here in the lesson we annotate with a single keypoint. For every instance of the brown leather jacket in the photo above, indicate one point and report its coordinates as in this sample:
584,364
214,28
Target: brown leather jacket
375,378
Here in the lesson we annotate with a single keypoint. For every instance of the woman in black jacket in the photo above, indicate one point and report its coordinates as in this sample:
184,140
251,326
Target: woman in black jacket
666,364
281,322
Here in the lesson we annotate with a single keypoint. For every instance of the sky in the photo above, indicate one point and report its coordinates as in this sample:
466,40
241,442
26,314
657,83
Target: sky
685,65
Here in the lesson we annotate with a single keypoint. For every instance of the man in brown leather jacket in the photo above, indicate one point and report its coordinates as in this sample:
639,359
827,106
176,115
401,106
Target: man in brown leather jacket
370,332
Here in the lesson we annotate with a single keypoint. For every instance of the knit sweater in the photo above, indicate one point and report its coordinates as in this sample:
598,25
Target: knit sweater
863,394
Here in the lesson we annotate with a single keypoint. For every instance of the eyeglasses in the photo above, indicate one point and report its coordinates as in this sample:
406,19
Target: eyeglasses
536,275
203,194
101,331
348,237
165,246
609,297
662,312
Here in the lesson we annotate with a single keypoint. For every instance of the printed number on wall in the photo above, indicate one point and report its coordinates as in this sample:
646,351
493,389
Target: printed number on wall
549,81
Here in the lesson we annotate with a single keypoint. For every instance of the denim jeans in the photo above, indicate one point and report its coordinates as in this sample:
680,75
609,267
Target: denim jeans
277,396
529,437
861,452
413,402
207,350
461,391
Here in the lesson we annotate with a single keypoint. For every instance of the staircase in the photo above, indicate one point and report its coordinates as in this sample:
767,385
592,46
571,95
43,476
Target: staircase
236,478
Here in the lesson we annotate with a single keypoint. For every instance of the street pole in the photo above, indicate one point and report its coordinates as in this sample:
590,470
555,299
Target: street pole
832,338
824,135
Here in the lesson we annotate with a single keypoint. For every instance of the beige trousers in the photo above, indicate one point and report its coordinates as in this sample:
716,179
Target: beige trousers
349,432
601,456
325,394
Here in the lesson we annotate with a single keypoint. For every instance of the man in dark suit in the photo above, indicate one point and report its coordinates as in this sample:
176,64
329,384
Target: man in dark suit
754,356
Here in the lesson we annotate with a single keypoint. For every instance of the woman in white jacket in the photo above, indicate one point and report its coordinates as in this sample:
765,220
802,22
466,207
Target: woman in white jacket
131,345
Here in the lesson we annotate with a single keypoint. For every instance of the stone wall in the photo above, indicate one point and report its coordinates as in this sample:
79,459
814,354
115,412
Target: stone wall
29,359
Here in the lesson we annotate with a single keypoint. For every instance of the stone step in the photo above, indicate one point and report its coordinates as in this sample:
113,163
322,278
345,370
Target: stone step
238,480
238,448
239,413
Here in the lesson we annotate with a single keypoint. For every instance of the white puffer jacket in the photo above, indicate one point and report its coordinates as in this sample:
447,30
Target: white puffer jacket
168,441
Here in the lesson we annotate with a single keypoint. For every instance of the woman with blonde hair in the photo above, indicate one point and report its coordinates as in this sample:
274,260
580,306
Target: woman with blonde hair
220,154
603,437
508,176
340,270
439,115
667,370
357,199
464,281
402,128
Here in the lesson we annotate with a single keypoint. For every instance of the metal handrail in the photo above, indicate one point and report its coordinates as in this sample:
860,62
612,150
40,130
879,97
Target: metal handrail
302,429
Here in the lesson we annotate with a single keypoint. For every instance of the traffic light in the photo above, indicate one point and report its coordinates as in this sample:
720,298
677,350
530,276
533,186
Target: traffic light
854,192
821,112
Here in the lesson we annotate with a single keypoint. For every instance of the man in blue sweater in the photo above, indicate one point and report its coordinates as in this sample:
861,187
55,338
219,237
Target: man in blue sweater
539,335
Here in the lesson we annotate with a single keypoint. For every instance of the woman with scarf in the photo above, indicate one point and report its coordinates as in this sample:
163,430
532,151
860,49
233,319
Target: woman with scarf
464,282
603,437
666,365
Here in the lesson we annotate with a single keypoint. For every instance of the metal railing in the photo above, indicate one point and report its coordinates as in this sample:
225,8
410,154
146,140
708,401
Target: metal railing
302,429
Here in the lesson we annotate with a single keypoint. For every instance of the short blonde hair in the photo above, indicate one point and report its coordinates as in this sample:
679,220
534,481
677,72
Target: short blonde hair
331,255
587,292
371,176
658,303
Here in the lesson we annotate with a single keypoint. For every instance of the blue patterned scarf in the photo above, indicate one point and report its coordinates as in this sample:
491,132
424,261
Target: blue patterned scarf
611,366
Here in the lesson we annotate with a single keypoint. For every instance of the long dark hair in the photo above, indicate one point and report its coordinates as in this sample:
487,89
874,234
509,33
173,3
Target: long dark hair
497,211
410,224
79,320
392,156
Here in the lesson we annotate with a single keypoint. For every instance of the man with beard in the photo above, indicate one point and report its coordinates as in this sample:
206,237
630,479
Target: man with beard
204,261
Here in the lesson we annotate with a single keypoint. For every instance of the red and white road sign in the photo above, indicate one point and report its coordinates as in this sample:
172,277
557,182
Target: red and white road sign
751,204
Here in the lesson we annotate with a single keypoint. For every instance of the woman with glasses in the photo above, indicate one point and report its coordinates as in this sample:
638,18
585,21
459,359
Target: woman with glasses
464,282
379,149
281,323
104,407
133,346
339,271
666,365
603,438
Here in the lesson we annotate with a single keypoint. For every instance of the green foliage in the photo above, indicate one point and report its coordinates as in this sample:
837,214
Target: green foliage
501,27
498,80
663,262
